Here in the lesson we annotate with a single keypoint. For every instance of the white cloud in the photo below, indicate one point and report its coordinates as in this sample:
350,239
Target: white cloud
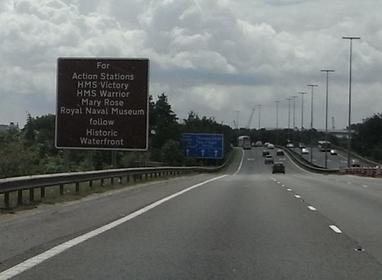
210,56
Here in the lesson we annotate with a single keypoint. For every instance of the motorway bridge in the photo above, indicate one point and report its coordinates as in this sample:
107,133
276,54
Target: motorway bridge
244,223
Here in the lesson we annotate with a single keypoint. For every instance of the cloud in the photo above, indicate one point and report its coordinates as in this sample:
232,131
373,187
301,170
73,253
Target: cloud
210,56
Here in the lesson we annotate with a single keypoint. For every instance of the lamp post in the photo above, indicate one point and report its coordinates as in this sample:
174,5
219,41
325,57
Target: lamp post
289,99
259,115
350,38
326,114
311,121
277,114
294,111
302,108
277,121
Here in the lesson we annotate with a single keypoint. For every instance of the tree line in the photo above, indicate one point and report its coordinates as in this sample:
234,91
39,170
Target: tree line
31,150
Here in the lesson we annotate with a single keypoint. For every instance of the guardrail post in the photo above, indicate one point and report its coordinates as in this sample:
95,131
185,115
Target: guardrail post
102,182
31,194
19,197
77,187
61,189
91,184
112,180
120,180
42,192
6,200
128,178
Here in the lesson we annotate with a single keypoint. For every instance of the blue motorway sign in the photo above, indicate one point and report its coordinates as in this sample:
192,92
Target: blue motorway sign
203,145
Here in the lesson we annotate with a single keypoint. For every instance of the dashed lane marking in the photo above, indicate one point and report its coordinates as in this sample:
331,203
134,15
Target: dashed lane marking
297,196
312,208
335,229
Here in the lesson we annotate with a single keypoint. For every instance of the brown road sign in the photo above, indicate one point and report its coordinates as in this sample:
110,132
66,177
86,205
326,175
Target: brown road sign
102,104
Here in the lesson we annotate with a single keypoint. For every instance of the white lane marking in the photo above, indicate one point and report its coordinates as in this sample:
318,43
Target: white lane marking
250,159
278,182
283,185
365,186
297,196
312,208
241,163
29,263
335,229
289,190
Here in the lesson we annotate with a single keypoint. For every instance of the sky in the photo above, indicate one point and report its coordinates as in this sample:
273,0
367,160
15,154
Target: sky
218,58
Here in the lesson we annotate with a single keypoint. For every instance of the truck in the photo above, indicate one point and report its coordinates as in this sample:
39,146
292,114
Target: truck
244,142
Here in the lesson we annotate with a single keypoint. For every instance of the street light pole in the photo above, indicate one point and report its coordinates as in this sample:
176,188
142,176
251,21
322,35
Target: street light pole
259,115
289,99
277,114
277,121
302,108
311,121
326,114
350,38
294,111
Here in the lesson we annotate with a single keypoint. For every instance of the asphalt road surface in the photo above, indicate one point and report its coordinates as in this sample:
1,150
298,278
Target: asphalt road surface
334,161
246,223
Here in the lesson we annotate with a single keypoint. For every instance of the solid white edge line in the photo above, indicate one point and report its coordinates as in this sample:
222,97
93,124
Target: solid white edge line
312,208
241,163
335,229
31,262
295,164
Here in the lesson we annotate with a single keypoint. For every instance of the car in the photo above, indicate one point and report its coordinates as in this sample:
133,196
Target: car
304,151
333,152
301,145
268,159
280,153
266,144
278,167
265,153
290,145
271,146
355,163
258,144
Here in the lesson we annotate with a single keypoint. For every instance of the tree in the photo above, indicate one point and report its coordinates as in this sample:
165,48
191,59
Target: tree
164,123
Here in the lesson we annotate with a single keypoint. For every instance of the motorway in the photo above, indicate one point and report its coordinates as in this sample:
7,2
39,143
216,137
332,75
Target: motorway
334,161
245,223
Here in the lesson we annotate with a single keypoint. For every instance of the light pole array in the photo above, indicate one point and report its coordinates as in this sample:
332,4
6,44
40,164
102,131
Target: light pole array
311,121
326,114
350,38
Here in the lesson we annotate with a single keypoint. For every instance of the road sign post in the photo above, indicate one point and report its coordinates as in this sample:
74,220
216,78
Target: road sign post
102,104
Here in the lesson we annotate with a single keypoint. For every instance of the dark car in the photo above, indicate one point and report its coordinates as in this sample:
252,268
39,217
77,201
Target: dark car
268,159
265,153
278,167
355,163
